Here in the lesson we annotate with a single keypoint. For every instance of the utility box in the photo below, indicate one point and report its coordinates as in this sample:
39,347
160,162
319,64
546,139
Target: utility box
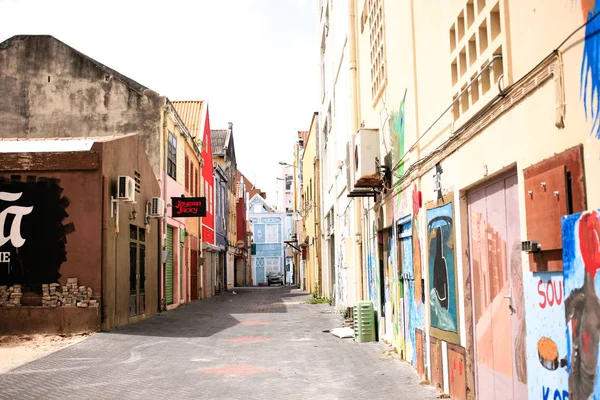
364,322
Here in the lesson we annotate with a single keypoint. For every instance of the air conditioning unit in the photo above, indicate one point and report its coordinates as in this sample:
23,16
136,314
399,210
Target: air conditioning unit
126,189
157,207
366,150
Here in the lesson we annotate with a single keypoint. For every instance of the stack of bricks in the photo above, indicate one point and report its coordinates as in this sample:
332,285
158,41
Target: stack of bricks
77,296
10,296
51,295
70,296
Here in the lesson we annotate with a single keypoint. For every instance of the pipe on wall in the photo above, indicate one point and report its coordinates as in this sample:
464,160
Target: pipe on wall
104,241
355,118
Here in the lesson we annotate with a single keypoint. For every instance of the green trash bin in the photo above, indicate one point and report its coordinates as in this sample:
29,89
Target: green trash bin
364,322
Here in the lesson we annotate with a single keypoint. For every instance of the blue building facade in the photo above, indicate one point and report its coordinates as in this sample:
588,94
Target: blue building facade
267,226
221,226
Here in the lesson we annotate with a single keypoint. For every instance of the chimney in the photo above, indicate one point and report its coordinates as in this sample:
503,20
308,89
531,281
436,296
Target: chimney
230,125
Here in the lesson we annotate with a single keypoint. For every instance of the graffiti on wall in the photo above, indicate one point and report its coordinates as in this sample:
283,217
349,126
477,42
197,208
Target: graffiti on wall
546,341
397,137
32,235
443,304
412,302
590,64
499,323
581,260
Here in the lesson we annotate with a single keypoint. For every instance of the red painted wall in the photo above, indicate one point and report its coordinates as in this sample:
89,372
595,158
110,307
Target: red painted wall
208,222
241,219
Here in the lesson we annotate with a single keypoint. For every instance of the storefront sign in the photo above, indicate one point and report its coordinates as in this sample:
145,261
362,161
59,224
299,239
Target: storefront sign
188,207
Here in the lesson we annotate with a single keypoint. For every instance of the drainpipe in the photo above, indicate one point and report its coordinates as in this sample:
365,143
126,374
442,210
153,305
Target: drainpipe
115,263
162,288
355,125
104,241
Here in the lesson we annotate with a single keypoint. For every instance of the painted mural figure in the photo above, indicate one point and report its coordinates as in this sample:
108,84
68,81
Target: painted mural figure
582,309
440,271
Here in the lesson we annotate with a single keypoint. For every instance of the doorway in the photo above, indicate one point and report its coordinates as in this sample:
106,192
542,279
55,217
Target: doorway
137,271
385,283
499,314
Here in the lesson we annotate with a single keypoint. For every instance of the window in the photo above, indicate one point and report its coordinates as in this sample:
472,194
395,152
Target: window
187,173
377,45
138,181
288,182
210,198
197,185
172,156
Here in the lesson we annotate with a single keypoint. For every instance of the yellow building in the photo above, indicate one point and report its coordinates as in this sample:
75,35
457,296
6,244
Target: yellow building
224,156
484,114
310,211
180,157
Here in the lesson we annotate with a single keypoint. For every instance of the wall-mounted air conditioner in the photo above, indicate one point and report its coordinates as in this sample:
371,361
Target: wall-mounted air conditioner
157,207
366,150
126,189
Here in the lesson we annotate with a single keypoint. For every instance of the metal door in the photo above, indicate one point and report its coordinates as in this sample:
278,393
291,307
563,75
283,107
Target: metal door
169,267
194,268
499,314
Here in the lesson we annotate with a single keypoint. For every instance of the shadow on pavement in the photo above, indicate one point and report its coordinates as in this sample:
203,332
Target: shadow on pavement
204,318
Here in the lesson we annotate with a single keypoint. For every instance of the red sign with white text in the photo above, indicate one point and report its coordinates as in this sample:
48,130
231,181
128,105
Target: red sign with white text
188,207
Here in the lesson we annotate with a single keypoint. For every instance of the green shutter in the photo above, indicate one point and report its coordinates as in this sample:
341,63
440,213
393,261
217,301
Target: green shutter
181,255
169,272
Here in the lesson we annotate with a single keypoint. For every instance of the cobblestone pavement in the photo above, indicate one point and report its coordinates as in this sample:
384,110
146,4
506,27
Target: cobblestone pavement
263,343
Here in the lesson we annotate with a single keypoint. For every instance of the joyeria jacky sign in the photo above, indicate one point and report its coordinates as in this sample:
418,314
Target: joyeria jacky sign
188,207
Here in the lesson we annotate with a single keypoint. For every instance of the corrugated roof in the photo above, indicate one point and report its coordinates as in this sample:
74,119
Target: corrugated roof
217,139
52,145
190,112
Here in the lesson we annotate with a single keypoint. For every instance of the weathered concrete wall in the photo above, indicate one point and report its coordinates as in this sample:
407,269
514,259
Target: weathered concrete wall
51,90
125,157
65,321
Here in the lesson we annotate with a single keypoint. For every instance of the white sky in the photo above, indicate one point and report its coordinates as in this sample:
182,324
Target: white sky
255,61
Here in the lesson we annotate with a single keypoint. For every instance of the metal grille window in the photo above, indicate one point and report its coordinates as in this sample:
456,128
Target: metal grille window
172,156
138,181
377,44
476,37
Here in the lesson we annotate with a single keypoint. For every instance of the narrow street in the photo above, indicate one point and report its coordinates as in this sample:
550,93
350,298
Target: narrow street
261,343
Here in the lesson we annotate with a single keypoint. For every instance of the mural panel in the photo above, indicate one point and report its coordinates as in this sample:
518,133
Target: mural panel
590,64
412,303
32,235
546,341
581,258
443,305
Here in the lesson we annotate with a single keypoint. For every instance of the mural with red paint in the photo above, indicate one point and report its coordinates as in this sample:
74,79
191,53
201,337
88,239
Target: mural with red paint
581,261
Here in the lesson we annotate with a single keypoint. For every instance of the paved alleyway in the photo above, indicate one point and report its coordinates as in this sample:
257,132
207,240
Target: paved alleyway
259,344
